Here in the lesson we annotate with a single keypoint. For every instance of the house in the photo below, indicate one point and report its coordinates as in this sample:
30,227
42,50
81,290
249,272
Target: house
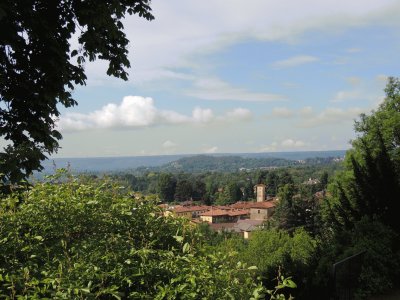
247,226
181,211
224,216
197,210
262,210
188,212
215,216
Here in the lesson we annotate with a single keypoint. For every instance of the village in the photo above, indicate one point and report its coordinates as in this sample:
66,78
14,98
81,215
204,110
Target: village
241,217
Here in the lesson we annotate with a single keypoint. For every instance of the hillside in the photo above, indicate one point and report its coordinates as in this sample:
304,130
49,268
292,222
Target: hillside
206,163
239,160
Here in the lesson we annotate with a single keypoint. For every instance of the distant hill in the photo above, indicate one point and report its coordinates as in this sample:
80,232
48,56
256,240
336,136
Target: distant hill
187,161
207,163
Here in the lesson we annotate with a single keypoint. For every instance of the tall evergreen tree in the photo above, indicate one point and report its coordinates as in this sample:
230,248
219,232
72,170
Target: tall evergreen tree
371,187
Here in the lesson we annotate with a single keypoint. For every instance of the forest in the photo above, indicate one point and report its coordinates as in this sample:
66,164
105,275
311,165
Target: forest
90,237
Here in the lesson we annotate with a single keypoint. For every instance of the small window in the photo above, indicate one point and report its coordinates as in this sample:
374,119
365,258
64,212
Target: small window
259,211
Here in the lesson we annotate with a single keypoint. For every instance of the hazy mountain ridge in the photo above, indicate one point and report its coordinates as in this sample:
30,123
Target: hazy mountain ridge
207,163
110,164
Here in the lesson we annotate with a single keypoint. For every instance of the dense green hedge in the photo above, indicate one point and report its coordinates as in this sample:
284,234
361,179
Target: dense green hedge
66,239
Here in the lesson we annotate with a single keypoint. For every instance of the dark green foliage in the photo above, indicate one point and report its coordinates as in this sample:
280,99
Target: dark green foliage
297,207
272,182
39,69
166,187
74,240
380,267
230,194
361,213
323,181
273,251
183,190
371,186
207,186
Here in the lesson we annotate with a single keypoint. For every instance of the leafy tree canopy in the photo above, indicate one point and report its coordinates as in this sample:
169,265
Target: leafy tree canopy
371,185
74,239
39,68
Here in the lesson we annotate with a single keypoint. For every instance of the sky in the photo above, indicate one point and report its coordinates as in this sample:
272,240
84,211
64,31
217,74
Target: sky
229,76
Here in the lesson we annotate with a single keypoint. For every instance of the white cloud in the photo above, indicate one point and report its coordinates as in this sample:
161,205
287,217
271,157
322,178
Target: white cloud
168,144
134,111
269,148
284,145
238,114
332,116
342,96
184,29
211,150
217,89
202,115
290,143
295,61
137,111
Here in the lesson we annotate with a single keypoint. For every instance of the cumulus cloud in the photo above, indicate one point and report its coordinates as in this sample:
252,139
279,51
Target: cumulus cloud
211,150
137,111
290,143
181,32
217,89
284,145
295,61
134,111
238,114
332,116
168,144
342,96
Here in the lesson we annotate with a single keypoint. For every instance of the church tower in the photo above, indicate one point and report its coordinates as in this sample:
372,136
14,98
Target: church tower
260,190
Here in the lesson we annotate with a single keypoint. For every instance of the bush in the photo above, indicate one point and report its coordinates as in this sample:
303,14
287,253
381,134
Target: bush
67,239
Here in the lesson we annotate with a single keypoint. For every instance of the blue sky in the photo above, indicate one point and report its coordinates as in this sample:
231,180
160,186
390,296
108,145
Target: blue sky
238,76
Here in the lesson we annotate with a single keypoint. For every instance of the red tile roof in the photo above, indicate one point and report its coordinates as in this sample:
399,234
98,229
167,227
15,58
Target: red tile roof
241,205
215,212
263,205
242,212
180,208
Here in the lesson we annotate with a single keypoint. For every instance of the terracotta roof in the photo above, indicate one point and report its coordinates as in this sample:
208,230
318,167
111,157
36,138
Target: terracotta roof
180,208
241,205
267,204
198,207
223,207
215,212
242,212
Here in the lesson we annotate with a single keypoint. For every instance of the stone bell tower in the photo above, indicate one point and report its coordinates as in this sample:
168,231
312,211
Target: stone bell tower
260,190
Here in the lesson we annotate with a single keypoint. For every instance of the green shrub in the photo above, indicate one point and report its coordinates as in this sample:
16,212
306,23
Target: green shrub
68,239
